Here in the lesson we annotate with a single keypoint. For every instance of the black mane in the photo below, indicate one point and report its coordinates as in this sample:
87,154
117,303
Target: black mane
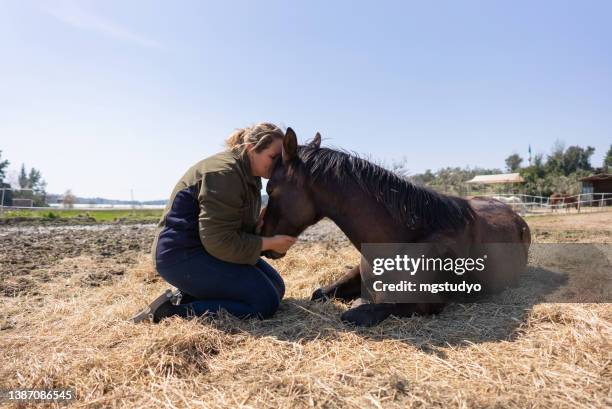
409,204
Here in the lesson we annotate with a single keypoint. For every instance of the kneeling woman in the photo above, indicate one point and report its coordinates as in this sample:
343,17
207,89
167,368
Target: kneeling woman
207,244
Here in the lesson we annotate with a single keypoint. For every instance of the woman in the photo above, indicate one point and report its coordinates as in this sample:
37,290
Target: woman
206,242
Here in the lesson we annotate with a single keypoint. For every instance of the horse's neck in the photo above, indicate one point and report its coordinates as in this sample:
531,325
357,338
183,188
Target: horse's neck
362,218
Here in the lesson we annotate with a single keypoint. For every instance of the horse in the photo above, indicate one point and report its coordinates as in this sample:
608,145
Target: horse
563,201
555,201
373,205
514,202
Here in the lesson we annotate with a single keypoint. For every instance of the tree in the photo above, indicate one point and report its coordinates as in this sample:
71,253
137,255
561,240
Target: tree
534,175
423,178
69,199
577,158
38,186
36,182
24,182
567,161
399,167
608,160
513,162
32,180
538,161
3,165
450,179
554,162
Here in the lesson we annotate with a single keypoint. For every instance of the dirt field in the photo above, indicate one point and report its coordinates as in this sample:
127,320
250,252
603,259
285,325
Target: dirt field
592,222
66,292
576,228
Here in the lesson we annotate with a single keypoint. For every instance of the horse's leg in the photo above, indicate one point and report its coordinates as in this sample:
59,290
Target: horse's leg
347,288
364,313
367,314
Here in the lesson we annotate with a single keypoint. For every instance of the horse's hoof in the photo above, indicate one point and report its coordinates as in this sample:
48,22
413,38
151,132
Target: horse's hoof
362,317
319,295
358,302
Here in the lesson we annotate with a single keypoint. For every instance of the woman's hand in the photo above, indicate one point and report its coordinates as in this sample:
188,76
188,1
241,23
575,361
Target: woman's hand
260,220
279,243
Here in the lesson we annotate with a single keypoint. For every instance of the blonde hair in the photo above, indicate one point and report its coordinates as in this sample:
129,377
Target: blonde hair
259,135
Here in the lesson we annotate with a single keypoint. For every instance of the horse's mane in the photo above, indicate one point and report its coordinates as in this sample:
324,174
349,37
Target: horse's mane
409,204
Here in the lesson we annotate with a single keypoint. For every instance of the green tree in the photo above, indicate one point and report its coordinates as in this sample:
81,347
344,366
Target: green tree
450,179
32,180
38,186
24,182
554,162
3,165
423,178
577,158
513,162
35,180
608,160
538,161
535,183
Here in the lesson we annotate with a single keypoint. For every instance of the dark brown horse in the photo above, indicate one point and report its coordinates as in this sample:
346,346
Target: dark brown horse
373,205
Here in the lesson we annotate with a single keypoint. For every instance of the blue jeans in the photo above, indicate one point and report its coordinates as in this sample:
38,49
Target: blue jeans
210,284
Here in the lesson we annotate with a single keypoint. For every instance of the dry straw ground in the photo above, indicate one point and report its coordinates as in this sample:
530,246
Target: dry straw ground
66,294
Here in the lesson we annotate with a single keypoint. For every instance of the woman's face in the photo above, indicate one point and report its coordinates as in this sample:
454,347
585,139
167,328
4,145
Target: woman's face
262,162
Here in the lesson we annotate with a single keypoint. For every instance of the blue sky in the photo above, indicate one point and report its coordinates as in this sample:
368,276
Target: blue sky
108,96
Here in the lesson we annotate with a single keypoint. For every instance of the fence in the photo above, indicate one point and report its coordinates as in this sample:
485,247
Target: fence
10,200
530,204
521,203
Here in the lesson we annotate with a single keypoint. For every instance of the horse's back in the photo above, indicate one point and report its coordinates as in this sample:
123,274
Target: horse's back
496,222
505,236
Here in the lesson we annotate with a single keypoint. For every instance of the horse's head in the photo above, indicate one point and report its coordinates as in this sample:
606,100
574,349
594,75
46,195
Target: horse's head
291,208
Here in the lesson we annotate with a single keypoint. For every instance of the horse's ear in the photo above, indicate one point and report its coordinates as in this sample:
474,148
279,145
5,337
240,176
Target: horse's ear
289,145
316,141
